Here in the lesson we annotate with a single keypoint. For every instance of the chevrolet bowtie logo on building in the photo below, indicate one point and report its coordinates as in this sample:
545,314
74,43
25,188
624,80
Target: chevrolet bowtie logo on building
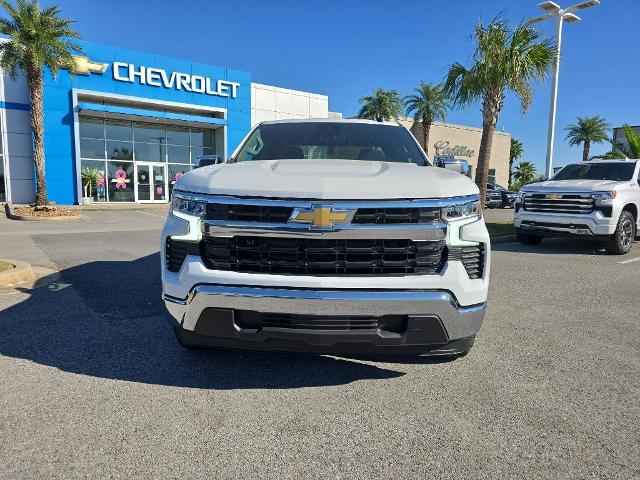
322,216
84,66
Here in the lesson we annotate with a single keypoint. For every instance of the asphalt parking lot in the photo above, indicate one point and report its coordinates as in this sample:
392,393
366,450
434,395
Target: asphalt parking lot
93,384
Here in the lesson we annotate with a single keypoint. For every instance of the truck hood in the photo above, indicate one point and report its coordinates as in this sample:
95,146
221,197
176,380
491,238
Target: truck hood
327,180
573,186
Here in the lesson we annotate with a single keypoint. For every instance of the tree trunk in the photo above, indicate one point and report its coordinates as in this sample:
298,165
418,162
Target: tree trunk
34,80
491,105
510,171
585,151
426,127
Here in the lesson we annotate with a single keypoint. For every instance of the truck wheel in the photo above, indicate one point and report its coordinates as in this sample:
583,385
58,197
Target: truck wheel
622,239
528,239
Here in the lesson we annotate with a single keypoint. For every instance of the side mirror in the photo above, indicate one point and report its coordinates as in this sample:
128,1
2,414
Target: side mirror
457,165
207,160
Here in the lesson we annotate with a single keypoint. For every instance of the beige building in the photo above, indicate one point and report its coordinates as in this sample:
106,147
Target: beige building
464,142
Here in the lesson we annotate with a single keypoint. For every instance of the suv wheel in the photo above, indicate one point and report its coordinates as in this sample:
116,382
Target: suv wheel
528,238
622,239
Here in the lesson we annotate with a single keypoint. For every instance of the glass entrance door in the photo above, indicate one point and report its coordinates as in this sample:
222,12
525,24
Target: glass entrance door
151,182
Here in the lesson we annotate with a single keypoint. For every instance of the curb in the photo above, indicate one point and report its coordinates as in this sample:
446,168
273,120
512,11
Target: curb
21,272
13,216
96,207
503,239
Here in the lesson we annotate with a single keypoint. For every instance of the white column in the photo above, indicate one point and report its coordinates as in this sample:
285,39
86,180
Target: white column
554,97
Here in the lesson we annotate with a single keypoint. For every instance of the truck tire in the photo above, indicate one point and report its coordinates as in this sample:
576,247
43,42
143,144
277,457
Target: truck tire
622,239
528,238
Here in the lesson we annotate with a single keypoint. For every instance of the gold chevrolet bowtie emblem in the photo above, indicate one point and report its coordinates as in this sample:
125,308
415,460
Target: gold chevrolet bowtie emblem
321,217
84,66
554,196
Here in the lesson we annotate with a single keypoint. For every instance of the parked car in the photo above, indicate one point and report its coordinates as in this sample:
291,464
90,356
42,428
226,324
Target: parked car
596,199
507,197
326,236
493,199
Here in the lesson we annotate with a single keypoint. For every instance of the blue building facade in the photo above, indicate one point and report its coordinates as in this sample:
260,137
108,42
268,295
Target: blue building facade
126,126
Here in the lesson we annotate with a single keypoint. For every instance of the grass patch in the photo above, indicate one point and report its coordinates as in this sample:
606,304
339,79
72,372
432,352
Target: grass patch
4,266
499,229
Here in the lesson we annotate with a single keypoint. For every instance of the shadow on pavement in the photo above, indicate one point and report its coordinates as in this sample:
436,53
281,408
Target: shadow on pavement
554,246
106,319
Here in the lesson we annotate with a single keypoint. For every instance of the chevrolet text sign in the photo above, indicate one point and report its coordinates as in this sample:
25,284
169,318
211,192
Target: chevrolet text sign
158,77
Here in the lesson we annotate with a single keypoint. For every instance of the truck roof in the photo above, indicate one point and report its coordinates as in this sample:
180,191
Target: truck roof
623,160
331,120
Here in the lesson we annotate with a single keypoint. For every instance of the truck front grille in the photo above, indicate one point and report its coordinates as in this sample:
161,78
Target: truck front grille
311,256
391,216
248,213
281,214
559,203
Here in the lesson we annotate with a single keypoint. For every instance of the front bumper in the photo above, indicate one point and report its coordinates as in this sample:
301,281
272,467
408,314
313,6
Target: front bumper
594,224
426,321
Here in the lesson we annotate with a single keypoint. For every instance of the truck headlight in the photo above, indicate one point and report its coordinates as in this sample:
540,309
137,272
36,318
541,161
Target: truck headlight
603,198
464,210
188,204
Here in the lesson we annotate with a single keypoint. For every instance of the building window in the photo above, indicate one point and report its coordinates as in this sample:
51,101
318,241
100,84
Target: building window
113,146
491,178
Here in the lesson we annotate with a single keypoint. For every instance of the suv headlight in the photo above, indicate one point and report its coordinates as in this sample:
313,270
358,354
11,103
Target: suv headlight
464,210
603,198
188,204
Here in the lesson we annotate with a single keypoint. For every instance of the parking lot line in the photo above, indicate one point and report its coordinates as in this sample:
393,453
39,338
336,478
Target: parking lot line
152,214
631,260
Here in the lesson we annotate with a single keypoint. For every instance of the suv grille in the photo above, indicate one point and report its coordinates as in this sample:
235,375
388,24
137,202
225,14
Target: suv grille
280,214
302,256
566,203
471,257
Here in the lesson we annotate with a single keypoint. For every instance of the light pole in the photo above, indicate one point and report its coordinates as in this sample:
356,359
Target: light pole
562,15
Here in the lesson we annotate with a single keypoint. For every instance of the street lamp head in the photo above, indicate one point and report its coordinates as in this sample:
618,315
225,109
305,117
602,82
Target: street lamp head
538,19
582,5
550,7
570,18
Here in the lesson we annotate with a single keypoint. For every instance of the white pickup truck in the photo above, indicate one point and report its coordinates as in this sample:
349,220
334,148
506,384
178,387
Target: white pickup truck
597,199
327,236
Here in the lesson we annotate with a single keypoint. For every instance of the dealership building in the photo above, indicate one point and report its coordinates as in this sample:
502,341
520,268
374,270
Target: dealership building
140,120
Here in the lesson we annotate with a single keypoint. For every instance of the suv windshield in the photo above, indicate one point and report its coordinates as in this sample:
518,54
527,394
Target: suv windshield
617,171
331,140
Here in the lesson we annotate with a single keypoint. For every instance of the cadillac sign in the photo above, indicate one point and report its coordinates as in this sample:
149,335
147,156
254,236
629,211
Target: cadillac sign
443,150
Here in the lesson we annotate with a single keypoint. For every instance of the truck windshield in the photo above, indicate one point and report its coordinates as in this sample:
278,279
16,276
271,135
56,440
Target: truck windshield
616,171
331,140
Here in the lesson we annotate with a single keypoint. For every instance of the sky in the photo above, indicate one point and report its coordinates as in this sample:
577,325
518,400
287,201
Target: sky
346,48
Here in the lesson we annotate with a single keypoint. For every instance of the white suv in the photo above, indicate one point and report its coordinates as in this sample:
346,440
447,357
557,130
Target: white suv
326,236
596,199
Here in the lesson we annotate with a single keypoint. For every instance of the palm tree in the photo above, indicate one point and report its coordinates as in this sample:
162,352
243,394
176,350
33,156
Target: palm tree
504,60
585,131
38,38
428,103
631,150
382,105
515,152
525,172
